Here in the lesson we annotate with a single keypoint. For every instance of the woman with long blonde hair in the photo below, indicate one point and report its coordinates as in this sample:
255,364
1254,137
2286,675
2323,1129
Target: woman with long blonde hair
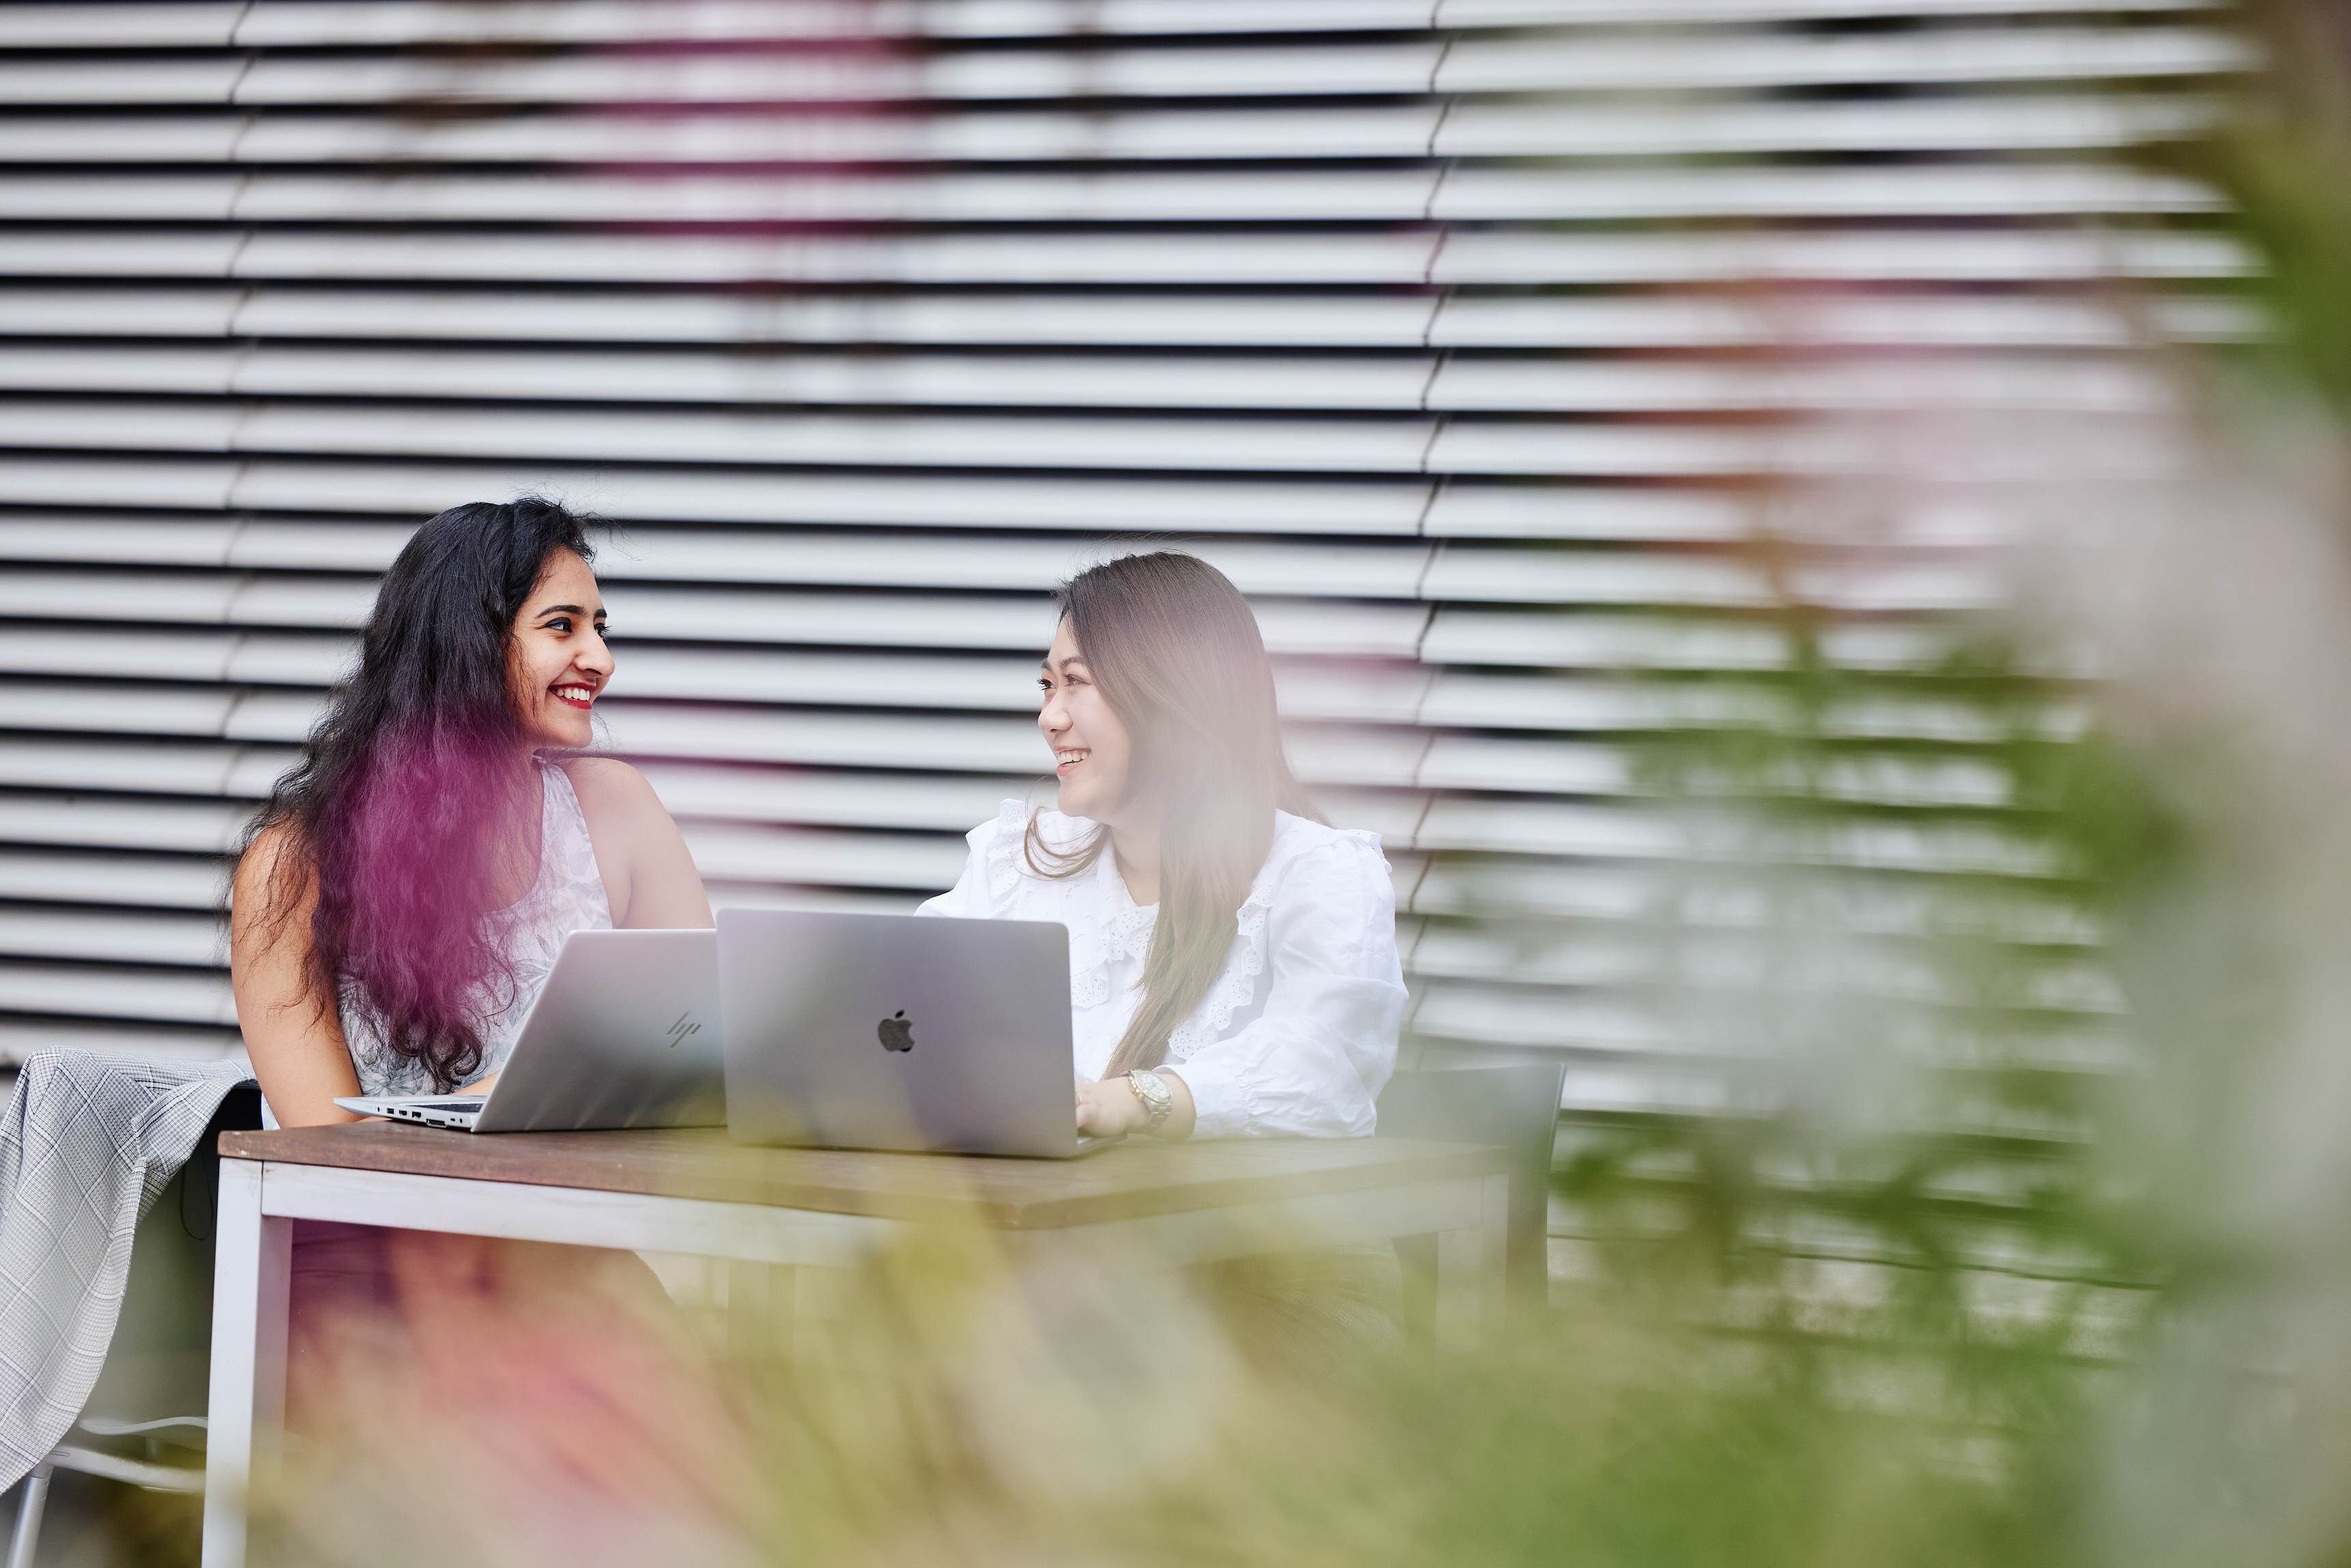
1233,963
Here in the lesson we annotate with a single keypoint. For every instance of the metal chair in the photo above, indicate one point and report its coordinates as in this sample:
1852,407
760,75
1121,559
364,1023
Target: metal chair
1516,1107
143,1422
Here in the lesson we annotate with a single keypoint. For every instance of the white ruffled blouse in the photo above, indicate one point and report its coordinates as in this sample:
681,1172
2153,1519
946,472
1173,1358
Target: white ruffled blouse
1297,1034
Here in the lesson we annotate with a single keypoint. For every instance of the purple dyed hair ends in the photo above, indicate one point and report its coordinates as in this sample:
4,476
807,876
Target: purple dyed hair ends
411,799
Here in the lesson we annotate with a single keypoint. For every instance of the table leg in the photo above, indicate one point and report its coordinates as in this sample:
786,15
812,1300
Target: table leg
1472,1273
252,1262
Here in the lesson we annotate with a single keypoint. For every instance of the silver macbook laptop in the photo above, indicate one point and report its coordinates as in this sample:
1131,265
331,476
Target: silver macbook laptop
898,1032
623,1034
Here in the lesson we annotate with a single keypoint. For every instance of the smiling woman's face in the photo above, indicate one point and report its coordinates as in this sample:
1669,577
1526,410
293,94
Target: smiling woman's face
1090,749
559,658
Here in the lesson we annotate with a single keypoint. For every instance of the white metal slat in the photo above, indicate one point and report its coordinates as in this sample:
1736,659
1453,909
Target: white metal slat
1740,961
1530,888
1400,694
1584,703
383,22
1000,685
1099,509
118,936
1346,627
1464,635
1356,757
20,1038
1390,445
843,859
1293,382
1472,193
1340,628
1167,506
1547,827
1616,832
1412,259
1703,60
1665,62
109,596
189,710
1649,1046
2041,322
1473,129
99,822
1454,636
853,620
152,656
155,881
413,488
716,318
199,766
1609,13
967,561
217,600
911,865
162,996
802,377
943,803
1398,445
1351,756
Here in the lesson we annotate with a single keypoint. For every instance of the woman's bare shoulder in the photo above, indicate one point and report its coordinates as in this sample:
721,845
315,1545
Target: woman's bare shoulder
608,783
616,799
272,894
273,851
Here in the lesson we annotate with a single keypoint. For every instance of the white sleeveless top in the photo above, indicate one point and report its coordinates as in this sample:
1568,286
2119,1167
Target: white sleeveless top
568,896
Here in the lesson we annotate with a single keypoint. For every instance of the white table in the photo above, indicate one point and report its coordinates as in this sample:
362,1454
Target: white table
692,1191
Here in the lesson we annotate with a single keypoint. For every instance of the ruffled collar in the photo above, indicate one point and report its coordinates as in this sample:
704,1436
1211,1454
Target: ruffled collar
1106,925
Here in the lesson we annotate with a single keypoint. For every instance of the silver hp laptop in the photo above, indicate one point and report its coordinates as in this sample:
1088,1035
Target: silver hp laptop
898,1032
623,1034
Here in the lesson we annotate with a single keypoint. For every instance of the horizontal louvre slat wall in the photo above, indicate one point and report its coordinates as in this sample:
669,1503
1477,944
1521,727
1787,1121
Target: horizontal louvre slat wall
1463,333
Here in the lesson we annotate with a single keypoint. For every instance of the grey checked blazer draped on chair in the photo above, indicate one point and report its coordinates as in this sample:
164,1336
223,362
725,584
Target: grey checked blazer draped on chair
88,1143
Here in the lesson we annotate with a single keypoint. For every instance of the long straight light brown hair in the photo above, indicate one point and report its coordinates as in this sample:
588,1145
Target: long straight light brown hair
1172,646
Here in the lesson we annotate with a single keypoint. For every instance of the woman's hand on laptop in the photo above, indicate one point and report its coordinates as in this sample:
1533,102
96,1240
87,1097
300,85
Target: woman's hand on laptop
479,1085
1112,1109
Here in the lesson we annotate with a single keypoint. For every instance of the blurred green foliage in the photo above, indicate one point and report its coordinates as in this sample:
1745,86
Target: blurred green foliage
2284,159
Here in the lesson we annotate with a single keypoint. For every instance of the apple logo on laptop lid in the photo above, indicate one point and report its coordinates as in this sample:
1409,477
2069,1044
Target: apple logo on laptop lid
897,1032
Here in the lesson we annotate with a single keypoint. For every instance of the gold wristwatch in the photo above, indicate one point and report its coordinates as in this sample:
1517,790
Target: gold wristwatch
1159,1101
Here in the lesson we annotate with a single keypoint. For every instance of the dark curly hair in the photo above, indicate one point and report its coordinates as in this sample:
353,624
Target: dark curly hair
407,788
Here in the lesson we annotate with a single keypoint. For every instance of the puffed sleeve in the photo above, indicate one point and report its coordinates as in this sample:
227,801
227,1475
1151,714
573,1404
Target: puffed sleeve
970,897
1313,1063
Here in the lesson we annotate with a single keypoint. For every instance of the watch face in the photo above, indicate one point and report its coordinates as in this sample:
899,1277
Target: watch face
1157,1101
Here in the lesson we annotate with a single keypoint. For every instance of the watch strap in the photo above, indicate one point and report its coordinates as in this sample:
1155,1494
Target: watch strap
1159,1101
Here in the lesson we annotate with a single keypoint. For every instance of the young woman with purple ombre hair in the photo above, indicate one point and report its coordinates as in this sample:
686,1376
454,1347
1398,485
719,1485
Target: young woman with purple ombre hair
404,893
407,886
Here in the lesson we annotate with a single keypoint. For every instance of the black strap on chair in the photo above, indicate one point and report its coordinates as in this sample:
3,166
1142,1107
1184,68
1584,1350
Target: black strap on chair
240,1110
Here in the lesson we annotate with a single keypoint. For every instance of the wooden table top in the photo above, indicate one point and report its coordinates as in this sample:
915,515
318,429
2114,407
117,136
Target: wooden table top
1142,1177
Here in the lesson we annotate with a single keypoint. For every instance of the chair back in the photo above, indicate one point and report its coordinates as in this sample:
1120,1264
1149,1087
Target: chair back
1515,1107
158,1366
